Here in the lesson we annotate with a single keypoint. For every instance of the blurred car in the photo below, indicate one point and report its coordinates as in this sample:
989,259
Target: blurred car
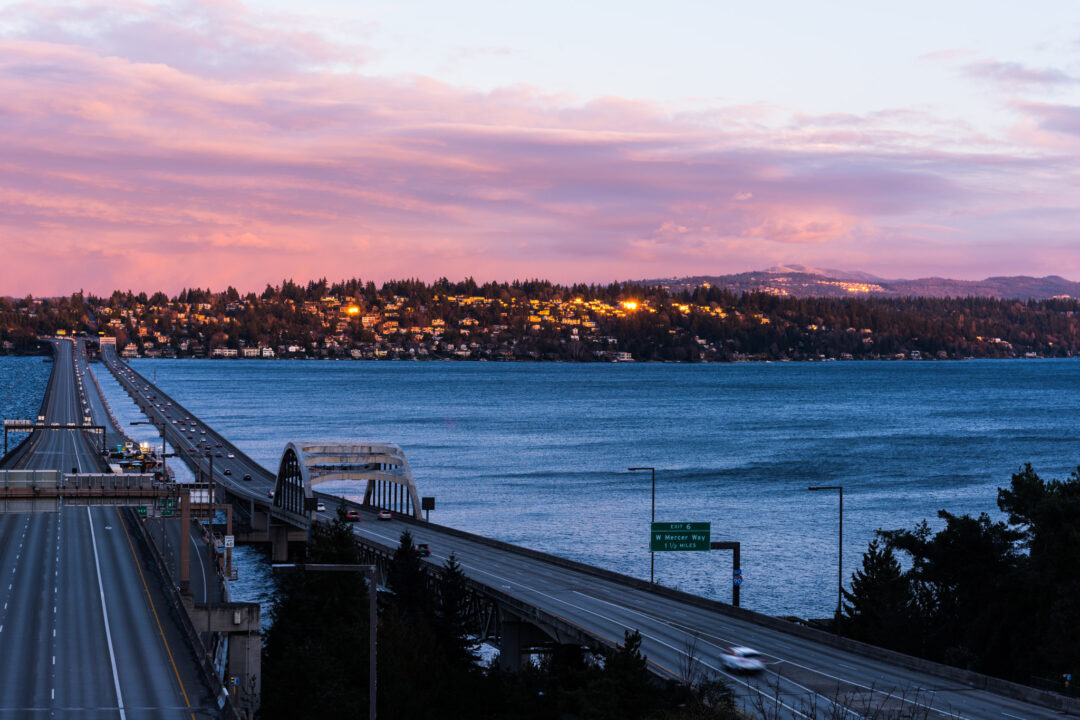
422,549
321,507
270,494
385,515
742,660
247,477
228,471
352,515
231,455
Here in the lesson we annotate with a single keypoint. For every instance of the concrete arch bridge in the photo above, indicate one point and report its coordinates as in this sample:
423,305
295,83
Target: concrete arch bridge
377,470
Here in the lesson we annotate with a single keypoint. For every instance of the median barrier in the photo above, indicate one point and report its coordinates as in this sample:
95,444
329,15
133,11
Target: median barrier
179,608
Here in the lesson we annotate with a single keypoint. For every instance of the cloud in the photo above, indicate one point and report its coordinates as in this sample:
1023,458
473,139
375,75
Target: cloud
261,152
1017,75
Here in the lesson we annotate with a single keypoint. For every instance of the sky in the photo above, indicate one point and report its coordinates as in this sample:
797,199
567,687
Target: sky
163,145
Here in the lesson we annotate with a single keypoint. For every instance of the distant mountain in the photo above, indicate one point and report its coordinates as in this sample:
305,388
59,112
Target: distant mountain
802,281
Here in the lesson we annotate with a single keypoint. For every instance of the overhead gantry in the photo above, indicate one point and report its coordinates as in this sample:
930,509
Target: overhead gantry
381,468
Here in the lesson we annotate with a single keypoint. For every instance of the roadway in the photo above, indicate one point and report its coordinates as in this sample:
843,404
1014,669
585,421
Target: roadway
85,631
803,678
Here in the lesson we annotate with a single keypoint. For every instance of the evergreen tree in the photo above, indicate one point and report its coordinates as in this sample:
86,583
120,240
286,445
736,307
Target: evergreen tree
880,606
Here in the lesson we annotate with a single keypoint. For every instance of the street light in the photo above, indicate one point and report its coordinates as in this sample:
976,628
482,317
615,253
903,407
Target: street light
652,555
840,562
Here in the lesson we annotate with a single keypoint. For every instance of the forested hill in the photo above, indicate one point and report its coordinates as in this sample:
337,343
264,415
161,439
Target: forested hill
800,281
538,320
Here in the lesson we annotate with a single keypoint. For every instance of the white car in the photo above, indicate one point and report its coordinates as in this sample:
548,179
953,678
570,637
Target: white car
321,507
742,660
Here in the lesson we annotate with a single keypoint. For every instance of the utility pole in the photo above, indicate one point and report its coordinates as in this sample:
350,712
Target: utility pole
840,560
652,555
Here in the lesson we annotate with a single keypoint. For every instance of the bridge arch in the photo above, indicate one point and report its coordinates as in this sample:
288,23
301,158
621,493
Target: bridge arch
381,468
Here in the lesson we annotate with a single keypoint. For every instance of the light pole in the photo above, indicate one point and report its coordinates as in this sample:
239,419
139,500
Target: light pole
652,555
840,561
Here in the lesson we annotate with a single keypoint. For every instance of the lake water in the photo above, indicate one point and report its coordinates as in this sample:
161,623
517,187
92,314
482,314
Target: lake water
536,454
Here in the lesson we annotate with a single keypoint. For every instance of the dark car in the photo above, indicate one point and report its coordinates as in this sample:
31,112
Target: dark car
422,549
228,471
352,515
247,477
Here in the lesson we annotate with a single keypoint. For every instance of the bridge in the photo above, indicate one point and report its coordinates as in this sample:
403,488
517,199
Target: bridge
532,600
86,624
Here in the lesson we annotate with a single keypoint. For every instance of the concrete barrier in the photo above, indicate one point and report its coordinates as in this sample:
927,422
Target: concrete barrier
976,680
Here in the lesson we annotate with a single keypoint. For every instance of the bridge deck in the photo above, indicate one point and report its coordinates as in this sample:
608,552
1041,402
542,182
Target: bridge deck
804,666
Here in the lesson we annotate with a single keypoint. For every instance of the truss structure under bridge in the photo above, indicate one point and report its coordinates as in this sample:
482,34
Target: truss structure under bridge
31,491
380,468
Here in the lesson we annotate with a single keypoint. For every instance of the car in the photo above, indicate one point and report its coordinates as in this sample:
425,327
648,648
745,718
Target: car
270,494
218,445
321,507
218,455
422,549
742,660
228,471
231,455
352,515
247,478
385,515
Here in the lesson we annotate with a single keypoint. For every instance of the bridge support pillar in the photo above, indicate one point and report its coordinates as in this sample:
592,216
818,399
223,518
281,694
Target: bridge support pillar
279,543
240,621
510,646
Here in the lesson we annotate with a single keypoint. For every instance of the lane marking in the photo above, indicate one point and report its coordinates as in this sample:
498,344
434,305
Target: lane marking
657,640
105,615
138,566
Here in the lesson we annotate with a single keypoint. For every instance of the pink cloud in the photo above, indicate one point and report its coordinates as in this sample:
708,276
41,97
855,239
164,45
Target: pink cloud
126,162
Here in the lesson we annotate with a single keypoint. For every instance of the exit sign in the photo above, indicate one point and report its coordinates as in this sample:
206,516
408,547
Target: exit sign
680,536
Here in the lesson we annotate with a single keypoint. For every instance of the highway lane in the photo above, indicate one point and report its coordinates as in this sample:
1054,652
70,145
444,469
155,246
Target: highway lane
803,678
81,633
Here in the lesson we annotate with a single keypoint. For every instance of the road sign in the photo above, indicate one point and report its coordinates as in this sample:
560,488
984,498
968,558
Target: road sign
141,509
230,541
679,536
167,512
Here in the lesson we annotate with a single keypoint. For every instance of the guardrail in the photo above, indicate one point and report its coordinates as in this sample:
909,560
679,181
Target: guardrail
976,680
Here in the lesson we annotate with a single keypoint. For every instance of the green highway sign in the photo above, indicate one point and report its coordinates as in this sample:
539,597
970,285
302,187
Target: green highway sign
684,536
141,509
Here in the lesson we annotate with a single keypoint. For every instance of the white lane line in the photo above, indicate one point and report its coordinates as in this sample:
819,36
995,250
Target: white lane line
105,615
698,636
657,640
1012,716
202,567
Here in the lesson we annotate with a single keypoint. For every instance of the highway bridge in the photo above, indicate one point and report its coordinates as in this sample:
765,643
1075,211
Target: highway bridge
540,599
85,630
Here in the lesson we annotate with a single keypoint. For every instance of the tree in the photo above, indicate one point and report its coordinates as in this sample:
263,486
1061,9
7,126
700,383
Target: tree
311,667
452,613
880,606
407,579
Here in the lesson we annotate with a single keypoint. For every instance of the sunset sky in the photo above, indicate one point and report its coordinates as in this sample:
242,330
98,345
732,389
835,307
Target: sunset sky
151,145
